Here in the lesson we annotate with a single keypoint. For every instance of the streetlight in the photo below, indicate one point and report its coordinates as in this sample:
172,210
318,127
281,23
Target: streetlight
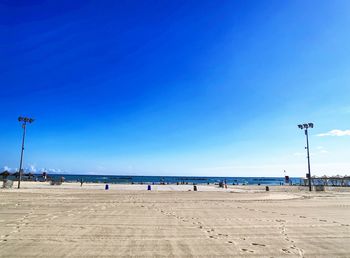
24,121
306,127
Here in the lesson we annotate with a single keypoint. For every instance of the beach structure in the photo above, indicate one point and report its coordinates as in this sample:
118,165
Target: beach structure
44,176
338,180
305,127
24,121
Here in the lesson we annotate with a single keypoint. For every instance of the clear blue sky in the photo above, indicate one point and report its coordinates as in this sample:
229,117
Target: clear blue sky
176,87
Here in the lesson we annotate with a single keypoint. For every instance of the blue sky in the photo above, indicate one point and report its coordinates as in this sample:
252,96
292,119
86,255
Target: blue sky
209,88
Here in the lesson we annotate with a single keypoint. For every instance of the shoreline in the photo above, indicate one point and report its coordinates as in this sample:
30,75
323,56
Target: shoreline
168,187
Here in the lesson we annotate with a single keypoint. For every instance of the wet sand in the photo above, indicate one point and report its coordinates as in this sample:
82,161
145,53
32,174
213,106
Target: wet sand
55,221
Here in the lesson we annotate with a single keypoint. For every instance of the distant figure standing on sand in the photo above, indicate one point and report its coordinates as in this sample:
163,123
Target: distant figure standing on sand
81,182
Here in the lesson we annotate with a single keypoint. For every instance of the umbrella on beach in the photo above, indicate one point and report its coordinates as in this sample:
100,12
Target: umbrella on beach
16,174
29,175
5,174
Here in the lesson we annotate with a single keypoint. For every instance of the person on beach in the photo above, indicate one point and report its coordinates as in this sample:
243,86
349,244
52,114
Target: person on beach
81,182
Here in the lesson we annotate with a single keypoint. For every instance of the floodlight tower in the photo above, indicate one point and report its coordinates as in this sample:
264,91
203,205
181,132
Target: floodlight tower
306,127
24,121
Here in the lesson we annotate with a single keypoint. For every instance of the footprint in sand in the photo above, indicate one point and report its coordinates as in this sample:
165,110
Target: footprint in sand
258,244
285,250
247,250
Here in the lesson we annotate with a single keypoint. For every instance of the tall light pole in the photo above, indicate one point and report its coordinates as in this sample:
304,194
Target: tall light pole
24,121
306,127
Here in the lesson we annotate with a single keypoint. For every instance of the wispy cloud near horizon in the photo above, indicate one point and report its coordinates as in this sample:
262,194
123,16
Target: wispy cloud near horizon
335,132
32,169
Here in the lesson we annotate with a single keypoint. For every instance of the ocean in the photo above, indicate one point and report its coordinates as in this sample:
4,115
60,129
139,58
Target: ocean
127,179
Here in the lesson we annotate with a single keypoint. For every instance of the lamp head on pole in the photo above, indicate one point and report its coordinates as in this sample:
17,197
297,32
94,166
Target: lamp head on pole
306,126
25,119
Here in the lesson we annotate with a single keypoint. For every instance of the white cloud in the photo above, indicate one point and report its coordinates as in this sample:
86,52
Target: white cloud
8,169
31,169
335,132
54,170
51,170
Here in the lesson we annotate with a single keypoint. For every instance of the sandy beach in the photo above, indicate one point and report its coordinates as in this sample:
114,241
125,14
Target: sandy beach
40,220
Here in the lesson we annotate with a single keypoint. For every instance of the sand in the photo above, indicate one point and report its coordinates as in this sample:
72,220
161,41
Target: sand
40,220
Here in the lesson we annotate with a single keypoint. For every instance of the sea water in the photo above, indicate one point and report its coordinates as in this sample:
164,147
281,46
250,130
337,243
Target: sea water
127,179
